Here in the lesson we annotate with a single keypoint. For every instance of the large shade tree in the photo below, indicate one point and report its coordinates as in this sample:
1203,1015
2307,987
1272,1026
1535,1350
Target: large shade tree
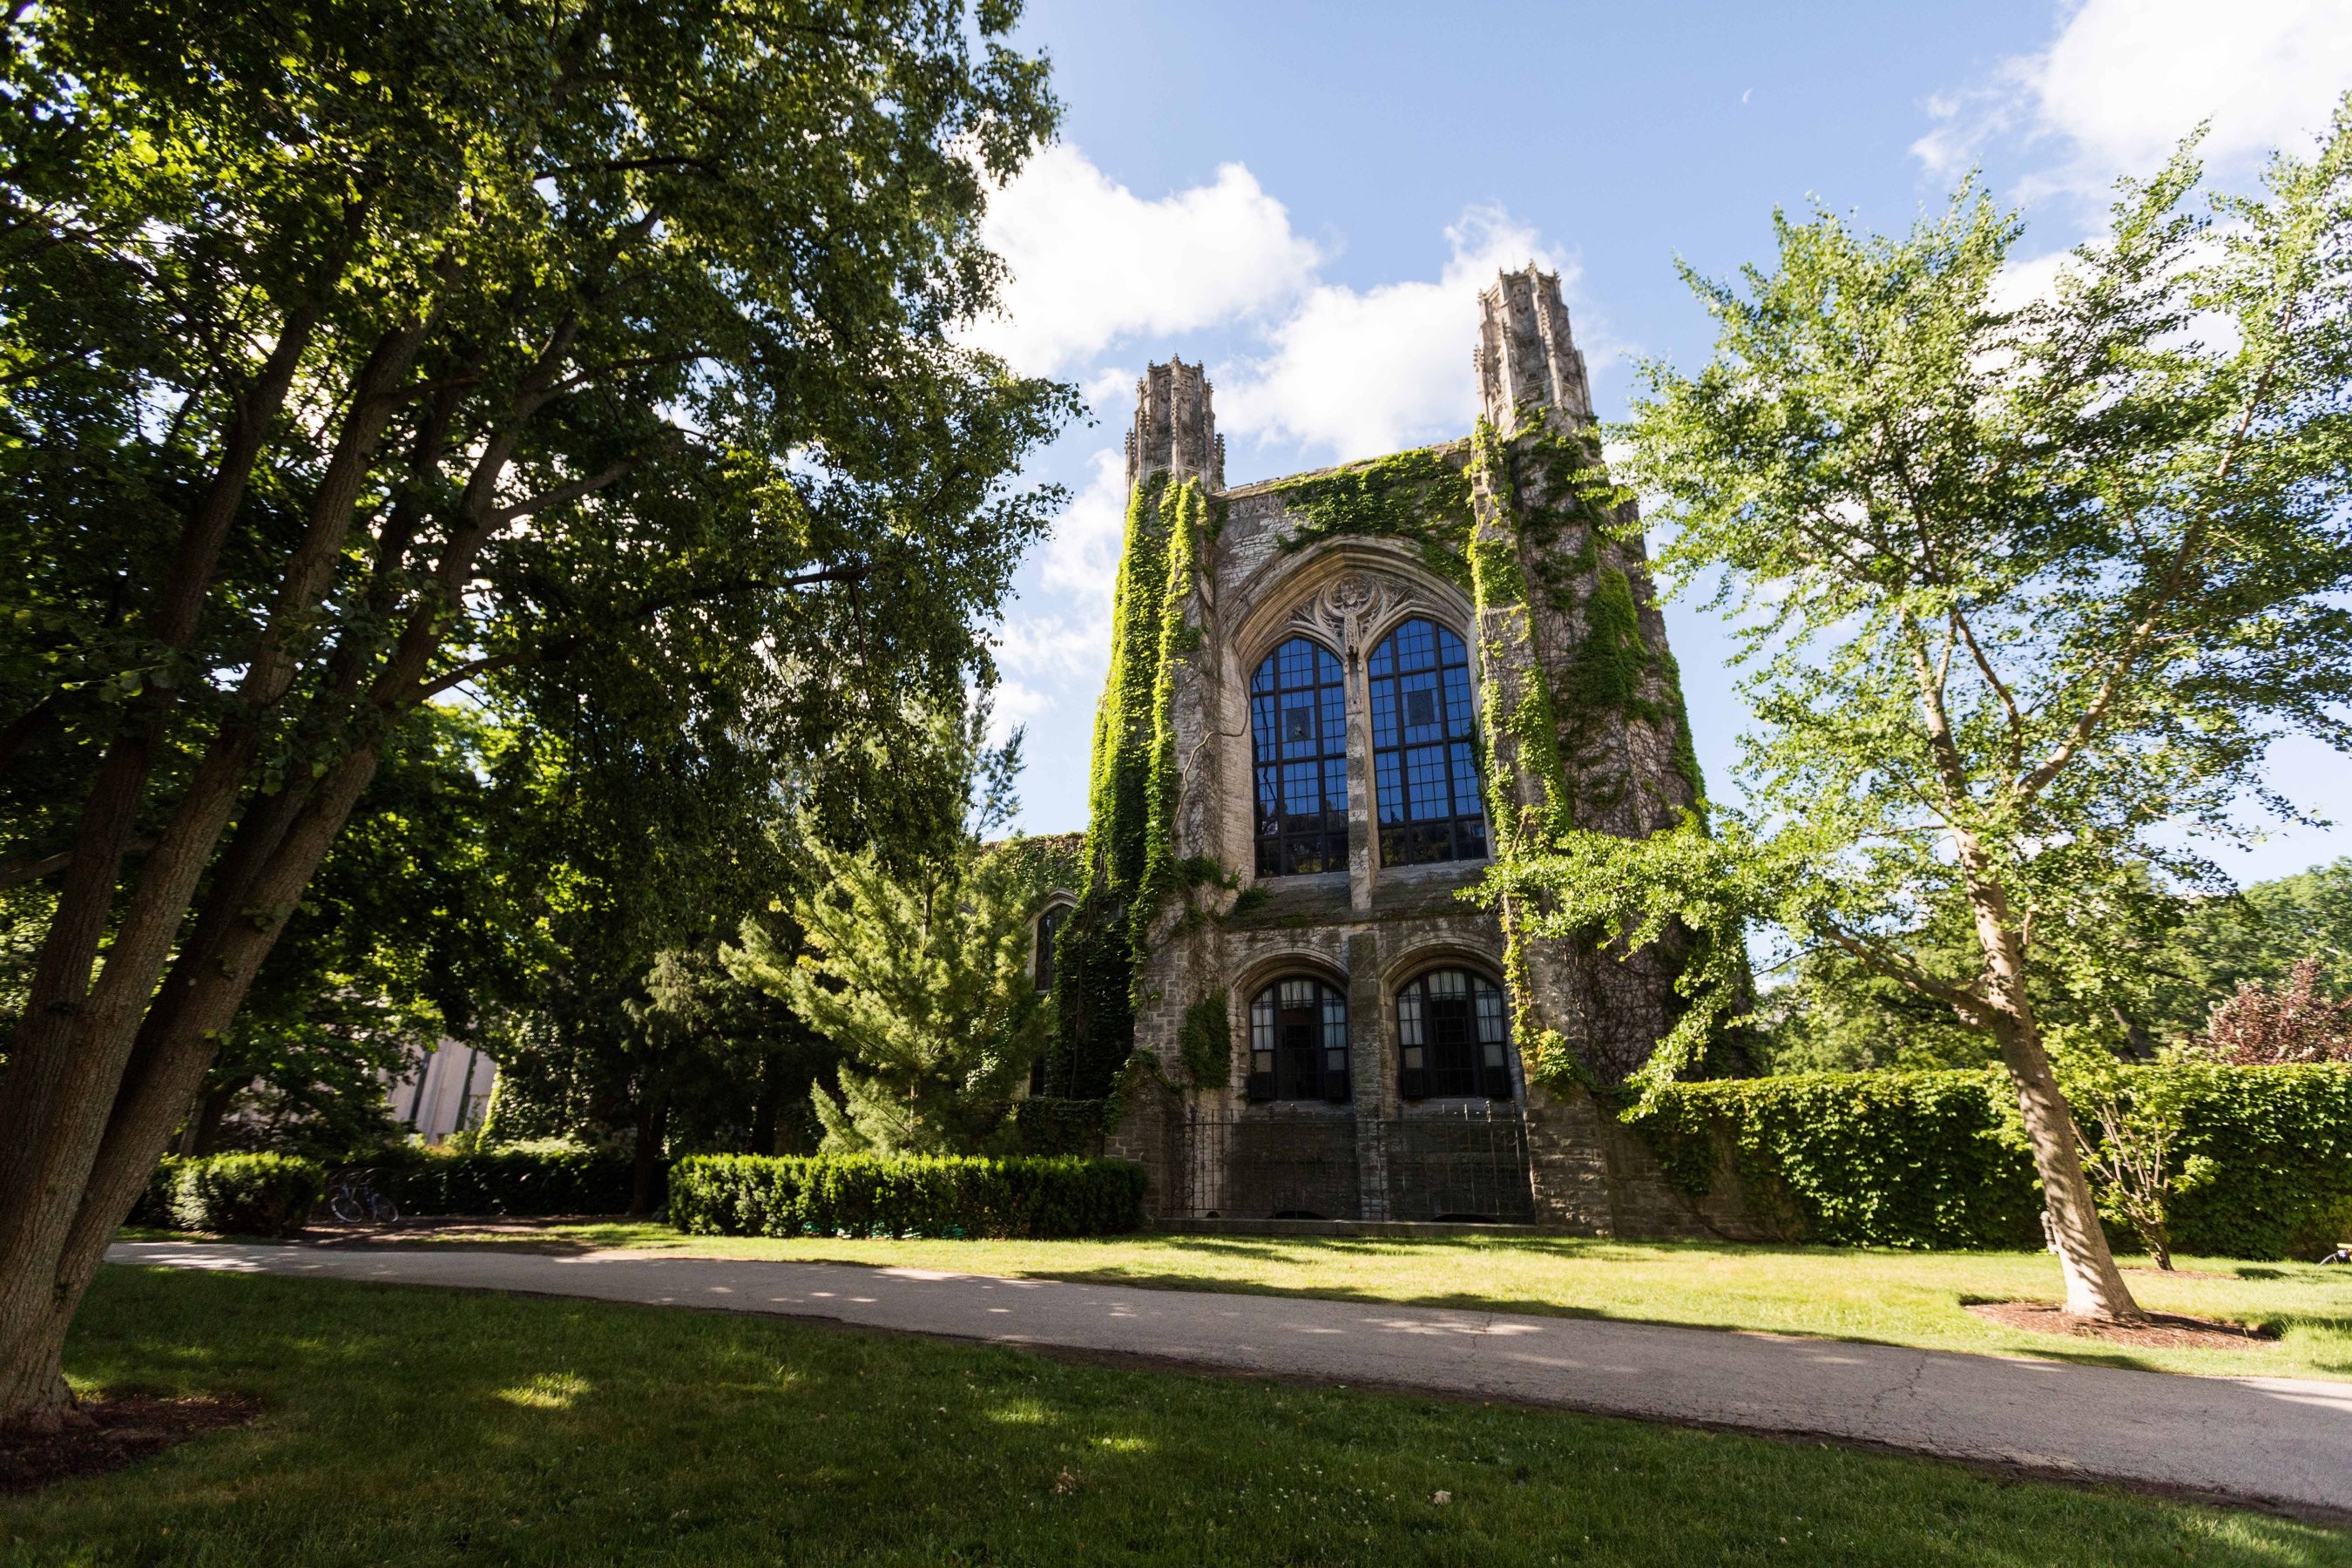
355,350
2030,589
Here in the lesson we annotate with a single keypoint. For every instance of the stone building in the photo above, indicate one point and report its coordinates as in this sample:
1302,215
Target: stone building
1335,699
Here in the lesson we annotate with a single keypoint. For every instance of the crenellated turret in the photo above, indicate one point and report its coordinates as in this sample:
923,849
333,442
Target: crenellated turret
1175,429
1527,357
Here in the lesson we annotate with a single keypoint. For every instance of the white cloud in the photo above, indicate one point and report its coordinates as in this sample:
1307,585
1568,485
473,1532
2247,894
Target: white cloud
1083,554
2126,79
1359,373
1093,263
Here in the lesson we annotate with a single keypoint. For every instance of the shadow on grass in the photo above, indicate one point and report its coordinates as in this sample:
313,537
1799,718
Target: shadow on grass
417,1425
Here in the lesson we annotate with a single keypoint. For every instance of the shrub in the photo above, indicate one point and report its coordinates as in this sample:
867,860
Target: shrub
1878,1159
543,1180
234,1194
1937,1159
883,1195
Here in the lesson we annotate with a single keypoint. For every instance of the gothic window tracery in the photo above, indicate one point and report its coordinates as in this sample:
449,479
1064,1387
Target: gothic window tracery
1424,767
1298,742
1298,1041
1454,1037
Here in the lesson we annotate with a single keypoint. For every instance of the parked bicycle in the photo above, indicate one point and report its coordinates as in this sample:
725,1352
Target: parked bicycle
355,1199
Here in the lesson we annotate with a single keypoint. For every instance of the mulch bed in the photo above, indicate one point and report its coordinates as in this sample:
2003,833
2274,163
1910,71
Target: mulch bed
113,1432
2162,1331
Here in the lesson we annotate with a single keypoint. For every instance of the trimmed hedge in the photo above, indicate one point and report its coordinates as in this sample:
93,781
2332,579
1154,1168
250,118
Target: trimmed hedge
875,1194
507,1181
1939,1158
233,1194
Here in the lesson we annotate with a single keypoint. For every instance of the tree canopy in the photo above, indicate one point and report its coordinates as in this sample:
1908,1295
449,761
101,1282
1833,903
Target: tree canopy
598,361
2027,589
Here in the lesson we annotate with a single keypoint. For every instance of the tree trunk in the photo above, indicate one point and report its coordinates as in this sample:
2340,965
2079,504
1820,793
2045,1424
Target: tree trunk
201,1135
2094,1287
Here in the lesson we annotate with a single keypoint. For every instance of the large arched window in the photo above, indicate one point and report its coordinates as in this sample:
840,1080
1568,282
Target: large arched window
1298,736
1298,1041
1049,928
1423,769
1453,1036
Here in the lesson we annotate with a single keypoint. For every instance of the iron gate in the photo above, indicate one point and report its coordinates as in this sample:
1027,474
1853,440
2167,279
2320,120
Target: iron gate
1278,1162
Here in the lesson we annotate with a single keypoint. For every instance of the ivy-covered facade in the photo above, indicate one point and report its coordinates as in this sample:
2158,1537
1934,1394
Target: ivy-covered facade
1334,700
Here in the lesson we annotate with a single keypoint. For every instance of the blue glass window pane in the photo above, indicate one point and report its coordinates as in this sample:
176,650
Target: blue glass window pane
1424,765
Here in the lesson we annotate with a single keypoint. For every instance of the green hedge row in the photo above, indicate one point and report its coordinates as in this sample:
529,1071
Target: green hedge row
871,1195
233,1194
507,1181
1939,1158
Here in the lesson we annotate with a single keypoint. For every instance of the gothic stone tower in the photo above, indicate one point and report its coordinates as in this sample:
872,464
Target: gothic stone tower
1334,699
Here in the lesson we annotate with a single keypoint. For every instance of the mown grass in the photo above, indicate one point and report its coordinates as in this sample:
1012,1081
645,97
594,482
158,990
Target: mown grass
1888,1297
402,1424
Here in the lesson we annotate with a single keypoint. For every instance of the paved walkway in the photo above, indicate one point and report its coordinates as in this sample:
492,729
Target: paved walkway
2282,1440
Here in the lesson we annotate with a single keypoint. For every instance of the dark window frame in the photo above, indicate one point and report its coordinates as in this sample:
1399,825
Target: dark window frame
1453,1036
1427,804
1298,1041
1048,929
1290,760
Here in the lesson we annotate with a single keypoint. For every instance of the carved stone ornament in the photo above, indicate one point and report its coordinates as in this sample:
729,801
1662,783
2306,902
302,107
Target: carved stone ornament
1345,607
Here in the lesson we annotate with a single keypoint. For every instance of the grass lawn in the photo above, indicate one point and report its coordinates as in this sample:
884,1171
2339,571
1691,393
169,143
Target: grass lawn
402,1424
1889,1298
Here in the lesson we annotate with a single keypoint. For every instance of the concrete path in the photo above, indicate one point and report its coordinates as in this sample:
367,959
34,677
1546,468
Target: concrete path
2279,1441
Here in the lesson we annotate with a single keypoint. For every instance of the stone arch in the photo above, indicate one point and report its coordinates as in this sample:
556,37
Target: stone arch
1342,594
1288,590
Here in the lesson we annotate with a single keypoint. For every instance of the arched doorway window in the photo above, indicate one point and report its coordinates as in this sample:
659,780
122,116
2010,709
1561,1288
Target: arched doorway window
1049,927
1299,740
1298,1041
1454,1037
1041,969
1424,769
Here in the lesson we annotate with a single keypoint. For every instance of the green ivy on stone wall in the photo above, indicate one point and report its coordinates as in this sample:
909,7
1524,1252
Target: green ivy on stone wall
1547,490
1421,497
1130,865
1205,1045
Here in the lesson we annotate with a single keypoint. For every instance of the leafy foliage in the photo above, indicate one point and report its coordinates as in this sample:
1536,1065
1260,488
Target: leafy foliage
523,1180
923,978
603,360
1420,496
2024,590
1130,865
2129,1126
2296,1022
238,1195
1938,1159
2167,962
860,1194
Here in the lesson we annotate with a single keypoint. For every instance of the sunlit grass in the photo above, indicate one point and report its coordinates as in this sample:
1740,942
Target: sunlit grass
388,1435
1891,1297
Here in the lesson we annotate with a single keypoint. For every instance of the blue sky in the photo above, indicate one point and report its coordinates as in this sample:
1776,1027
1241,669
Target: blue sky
1308,197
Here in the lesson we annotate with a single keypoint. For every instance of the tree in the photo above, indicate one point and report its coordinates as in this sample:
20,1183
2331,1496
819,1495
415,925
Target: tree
2295,1021
924,981
409,933
2140,1117
919,968
2168,960
2021,587
572,353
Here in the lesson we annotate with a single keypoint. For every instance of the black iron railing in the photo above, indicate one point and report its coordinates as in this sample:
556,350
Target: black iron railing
1310,1162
